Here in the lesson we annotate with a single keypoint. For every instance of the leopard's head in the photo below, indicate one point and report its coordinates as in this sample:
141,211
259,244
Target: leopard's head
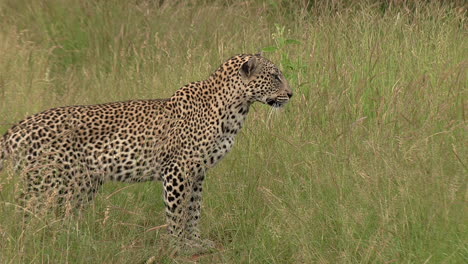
264,82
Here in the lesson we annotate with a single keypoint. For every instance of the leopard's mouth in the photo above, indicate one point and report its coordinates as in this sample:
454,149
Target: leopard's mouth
276,103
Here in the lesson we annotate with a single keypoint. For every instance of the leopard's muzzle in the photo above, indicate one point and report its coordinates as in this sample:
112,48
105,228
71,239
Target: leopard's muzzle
279,101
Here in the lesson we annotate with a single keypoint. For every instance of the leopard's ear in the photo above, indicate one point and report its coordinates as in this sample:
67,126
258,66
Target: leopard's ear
249,67
259,53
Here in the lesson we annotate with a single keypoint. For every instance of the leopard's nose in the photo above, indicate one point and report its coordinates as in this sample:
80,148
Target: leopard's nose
290,94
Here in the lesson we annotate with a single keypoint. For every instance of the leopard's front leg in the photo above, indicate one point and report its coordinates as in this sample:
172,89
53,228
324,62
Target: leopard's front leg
183,196
195,204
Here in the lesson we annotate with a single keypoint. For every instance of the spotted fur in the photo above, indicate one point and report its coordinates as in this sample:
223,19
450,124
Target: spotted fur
67,153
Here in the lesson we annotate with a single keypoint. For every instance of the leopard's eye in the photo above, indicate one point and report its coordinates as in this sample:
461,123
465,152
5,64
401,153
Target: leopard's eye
276,76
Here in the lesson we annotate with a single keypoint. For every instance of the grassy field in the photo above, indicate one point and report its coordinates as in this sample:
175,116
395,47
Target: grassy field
367,164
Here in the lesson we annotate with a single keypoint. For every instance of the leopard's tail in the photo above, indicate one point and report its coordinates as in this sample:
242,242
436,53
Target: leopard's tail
3,153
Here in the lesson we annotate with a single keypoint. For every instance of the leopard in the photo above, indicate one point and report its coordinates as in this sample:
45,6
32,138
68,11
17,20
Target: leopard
65,154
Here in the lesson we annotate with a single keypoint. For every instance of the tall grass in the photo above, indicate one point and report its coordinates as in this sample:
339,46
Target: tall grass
367,164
